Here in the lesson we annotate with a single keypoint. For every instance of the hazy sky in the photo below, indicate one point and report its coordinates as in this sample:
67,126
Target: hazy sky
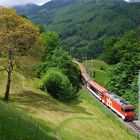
132,0
19,2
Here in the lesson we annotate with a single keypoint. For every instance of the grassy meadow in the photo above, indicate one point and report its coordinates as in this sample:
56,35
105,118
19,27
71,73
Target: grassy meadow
17,125
34,114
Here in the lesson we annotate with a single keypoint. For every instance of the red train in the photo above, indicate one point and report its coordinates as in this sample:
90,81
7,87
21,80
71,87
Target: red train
114,102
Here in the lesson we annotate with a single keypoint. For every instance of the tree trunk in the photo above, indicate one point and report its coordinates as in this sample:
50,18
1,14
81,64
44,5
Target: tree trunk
9,71
8,87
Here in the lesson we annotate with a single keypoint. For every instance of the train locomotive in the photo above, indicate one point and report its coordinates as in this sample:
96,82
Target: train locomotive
111,100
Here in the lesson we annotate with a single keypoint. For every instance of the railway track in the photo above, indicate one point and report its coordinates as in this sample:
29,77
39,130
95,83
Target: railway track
134,127
88,84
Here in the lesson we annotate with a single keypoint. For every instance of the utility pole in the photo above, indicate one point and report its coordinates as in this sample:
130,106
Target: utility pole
139,97
86,58
71,49
92,67
86,62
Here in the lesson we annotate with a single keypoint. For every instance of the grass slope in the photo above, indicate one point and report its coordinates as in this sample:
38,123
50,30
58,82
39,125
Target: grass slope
16,125
84,119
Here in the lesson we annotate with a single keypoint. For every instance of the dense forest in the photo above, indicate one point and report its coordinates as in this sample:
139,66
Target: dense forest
83,25
123,53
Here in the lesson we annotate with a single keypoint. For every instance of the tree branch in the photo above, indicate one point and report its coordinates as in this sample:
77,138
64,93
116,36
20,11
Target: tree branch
4,69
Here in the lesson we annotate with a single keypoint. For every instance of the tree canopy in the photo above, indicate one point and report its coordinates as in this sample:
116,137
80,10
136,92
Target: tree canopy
17,35
102,19
58,85
124,53
55,56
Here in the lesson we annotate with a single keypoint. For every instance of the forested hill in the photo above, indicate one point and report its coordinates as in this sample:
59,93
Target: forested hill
84,24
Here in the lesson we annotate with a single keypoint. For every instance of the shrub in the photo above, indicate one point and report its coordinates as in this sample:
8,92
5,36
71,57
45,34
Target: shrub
58,85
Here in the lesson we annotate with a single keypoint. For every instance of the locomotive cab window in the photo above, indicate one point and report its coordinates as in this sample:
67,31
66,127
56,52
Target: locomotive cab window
127,110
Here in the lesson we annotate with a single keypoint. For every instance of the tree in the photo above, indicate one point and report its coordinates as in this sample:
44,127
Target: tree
17,35
50,40
41,28
55,56
123,75
110,51
62,60
58,85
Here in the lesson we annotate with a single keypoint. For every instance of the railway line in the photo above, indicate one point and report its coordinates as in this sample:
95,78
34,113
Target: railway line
134,127
131,124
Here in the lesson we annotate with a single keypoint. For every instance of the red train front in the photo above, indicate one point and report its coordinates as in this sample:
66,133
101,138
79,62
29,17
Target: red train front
119,105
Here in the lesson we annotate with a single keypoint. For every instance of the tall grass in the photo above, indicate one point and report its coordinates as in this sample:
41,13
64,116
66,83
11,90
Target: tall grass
15,125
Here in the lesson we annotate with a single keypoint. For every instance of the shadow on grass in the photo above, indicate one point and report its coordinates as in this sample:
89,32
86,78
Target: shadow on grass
15,125
46,102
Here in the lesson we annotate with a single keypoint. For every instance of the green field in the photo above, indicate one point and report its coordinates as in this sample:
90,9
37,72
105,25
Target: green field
17,125
40,115
83,119
99,70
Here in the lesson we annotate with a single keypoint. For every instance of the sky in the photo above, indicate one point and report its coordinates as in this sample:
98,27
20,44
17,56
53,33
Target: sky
9,3
132,0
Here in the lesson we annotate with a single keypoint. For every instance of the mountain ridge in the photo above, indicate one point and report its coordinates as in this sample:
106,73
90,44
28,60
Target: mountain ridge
26,9
83,25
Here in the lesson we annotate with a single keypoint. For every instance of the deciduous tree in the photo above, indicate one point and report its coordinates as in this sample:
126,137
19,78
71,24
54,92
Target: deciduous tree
17,35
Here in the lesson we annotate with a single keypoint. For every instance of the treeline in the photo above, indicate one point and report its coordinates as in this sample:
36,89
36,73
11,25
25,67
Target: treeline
123,53
59,75
85,24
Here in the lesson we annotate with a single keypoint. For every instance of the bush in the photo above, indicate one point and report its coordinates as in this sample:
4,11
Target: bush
58,85
62,60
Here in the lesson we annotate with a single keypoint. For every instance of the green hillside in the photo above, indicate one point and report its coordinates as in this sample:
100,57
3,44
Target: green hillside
50,119
77,120
15,124
84,24
33,110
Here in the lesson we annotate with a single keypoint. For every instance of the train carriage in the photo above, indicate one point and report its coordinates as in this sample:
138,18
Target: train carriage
85,77
96,89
